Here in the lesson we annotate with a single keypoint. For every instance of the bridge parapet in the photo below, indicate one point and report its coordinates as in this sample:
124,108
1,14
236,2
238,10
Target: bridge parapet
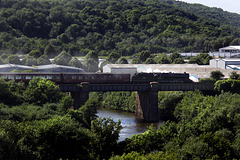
118,87
138,87
186,87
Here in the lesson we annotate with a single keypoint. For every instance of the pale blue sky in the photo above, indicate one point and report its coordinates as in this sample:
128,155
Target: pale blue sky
227,5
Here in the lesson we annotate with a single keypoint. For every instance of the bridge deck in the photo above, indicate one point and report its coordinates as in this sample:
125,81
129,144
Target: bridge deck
138,87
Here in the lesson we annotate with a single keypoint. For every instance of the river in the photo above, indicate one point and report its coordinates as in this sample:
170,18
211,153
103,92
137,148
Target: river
130,124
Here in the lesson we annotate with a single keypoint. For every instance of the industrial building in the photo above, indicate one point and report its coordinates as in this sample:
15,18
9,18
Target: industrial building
231,49
42,68
58,68
11,67
195,71
225,63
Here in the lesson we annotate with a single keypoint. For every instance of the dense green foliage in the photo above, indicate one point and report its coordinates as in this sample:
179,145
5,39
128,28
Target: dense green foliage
199,127
124,101
216,14
36,122
206,127
126,27
200,59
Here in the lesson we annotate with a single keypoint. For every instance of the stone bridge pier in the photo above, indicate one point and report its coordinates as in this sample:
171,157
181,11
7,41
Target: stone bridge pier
80,97
147,104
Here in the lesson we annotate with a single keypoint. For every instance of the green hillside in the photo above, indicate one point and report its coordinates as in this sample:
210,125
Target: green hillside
123,26
213,13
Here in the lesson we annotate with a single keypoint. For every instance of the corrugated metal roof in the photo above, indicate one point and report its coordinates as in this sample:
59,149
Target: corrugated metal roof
231,48
231,60
49,67
15,66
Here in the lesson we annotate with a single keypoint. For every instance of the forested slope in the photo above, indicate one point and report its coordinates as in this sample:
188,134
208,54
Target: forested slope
126,27
213,13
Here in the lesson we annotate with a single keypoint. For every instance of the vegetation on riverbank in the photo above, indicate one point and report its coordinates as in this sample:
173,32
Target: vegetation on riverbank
37,122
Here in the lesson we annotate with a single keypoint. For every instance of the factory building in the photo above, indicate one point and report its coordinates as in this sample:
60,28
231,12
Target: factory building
224,63
58,68
42,68
11,67
230,49
196,72
119,68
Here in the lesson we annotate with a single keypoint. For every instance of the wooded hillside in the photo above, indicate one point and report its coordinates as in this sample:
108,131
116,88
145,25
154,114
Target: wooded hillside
123,26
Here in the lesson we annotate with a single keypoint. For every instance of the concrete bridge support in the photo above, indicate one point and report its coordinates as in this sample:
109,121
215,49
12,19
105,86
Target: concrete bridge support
147,104
80,97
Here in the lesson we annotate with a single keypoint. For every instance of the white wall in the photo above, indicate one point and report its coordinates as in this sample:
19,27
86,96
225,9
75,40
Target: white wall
106,69
130,71
214,63
222,64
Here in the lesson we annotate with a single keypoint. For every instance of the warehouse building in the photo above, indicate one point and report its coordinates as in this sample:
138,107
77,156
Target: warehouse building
224,63
43,68
58,68
11,67
196,72
230,49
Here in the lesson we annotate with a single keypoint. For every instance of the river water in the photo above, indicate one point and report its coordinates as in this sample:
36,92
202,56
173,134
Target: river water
130,124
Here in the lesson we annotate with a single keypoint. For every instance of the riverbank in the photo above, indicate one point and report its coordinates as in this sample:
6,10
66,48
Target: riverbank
131,126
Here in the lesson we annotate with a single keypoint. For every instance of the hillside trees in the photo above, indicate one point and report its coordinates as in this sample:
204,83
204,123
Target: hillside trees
200,59
91,61
78,27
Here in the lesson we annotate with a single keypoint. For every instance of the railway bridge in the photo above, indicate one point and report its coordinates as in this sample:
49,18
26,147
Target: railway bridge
146,94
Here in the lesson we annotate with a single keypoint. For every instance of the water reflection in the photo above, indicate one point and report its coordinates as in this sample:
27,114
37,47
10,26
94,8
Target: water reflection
129,123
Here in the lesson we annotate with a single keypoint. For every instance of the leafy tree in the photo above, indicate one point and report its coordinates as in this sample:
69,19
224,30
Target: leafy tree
122,60
146,142
162,59
3,57
178,61
200,59
174,56
62,59
216,75
40,91
193,60
50,51
7,96
13,59
106,133
92,55
125,101
229,85
35,54
43,60
150,61
91,61
113,57
144,55
29,61
75,63
234,75
136,61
